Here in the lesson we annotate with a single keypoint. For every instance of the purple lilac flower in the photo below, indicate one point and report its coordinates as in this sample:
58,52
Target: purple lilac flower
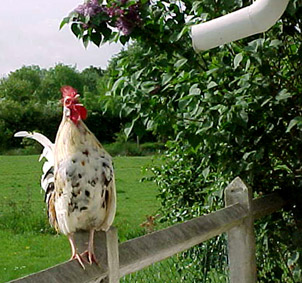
128,20
124,26
90,8
114,11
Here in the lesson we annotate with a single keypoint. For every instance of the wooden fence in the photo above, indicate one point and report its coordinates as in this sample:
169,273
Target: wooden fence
117,260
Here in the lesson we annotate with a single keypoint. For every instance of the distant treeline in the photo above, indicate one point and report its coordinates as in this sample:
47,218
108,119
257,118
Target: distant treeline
30,100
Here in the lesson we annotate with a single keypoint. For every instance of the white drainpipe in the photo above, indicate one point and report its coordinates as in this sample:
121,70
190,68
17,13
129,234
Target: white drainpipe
256,18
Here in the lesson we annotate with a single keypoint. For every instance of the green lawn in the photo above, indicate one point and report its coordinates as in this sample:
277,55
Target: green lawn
27,244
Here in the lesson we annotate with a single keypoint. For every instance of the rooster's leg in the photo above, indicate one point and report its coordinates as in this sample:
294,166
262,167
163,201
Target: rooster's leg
74,254
90,251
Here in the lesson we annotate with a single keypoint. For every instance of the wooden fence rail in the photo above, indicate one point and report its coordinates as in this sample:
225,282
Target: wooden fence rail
117,260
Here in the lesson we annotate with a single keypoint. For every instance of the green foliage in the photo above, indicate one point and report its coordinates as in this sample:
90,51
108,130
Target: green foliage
54,79
128,148
233,110
32,116
125,20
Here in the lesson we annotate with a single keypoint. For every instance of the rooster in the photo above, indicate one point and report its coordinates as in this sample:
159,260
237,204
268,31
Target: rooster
78,177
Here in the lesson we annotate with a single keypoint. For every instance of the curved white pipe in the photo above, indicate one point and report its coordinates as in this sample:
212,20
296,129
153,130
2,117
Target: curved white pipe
256,18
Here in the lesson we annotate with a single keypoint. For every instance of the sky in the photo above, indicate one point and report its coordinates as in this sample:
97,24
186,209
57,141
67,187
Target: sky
30,35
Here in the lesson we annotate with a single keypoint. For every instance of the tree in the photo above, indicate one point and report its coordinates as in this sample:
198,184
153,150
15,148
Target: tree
90,77
32,74
21,84
234,110
55,78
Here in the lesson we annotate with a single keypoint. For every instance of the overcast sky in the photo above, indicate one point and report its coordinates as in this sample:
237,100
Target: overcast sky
29,35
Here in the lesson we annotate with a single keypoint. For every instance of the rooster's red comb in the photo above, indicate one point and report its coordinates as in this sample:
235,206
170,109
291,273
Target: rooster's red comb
68,91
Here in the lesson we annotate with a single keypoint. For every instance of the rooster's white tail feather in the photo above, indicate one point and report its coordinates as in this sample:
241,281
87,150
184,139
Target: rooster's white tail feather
47,176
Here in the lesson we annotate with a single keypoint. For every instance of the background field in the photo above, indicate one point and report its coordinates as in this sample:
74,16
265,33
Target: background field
27,244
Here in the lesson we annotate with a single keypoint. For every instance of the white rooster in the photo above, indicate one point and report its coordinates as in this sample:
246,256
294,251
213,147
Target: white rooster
78,177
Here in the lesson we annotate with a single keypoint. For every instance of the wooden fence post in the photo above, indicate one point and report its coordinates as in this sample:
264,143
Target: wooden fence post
107,253
112,256
241,238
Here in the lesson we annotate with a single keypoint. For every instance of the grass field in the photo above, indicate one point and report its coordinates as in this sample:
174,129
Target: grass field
27,244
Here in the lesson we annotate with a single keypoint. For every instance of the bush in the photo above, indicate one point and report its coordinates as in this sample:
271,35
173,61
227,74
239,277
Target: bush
123,149
128,148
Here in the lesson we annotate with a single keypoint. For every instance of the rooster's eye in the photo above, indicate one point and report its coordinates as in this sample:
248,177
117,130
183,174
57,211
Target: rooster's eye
68,102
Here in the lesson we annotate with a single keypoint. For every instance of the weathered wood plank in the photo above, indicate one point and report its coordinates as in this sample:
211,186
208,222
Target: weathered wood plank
143,251
268,204
241,238
113,256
